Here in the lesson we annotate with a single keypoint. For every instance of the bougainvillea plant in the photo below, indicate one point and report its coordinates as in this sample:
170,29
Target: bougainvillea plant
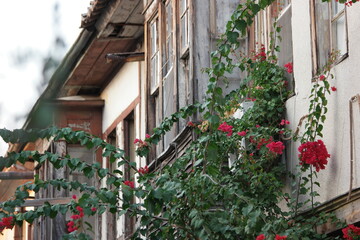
227,185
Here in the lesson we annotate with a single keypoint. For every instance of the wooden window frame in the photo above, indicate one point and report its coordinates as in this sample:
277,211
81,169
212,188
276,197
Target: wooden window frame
314,38
184,14
154,54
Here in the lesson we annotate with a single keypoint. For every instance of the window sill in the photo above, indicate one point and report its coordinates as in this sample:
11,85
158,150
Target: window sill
341,58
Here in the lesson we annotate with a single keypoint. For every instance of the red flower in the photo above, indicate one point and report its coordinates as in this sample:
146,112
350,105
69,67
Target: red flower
284,122
224,127
242,133
350,232
80,209
278,237
257,125
144,170
129,183
137,141
281,132
6,222
276,147
147,136
75,217
93,209
314,153
70,224
289,67
333,88
322,77
191,124
260,237
72,229
74,197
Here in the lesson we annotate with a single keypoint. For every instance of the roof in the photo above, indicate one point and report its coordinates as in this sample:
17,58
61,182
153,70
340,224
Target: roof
111,26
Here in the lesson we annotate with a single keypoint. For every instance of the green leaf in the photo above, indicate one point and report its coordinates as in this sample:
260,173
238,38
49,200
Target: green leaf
232,36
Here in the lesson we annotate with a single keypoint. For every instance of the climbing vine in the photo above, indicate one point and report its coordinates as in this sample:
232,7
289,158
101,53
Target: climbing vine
229,183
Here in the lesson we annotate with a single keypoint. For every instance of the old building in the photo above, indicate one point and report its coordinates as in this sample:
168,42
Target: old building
138,61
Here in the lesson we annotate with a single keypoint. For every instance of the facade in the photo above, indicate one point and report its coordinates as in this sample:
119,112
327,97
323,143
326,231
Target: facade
136,62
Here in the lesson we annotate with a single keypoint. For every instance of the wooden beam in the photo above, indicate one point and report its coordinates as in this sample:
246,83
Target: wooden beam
42,201
16,175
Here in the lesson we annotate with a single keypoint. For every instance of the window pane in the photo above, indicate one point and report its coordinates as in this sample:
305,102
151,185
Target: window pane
154,72
183,6
337,7
167,49
184,21
339,35
322,32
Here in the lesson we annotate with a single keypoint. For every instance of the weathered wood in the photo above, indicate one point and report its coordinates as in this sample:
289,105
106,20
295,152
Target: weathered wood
59,223
16,175
42,201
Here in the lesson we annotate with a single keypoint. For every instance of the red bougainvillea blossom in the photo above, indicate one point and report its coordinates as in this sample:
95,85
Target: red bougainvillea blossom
276,147
289,67
284,122
261,55
226,128
322,77
350,232
140,143
314,153
93,209
333,88
74,224
6,222
260,237
191,124
278,237
144,170
242,133
71,226
129,183
147,135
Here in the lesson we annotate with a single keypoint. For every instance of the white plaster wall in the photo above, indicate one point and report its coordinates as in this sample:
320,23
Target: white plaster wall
121,91
334,179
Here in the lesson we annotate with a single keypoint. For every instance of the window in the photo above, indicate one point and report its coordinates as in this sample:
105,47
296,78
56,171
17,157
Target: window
154,54
167,61
184,26
168,41
329,32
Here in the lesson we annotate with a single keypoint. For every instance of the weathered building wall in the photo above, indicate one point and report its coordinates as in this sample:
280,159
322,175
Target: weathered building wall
121,92
335,179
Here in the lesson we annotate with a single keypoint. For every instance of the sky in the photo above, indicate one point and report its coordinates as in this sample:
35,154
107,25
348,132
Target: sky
28,33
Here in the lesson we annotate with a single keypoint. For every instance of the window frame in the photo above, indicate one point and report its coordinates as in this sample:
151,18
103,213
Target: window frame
314,37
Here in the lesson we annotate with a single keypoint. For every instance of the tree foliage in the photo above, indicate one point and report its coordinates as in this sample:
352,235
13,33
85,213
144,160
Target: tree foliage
227,185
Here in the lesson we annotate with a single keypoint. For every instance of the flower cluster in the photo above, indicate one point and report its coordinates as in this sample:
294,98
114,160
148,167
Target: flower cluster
289,67
74,224
6,222
144,170
261,55
284,122
276,147
277,237
131,184
140,143
226,128
314,153
242,133
260,142
351,232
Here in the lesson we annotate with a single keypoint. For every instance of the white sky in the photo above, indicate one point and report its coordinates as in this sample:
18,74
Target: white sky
27,26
